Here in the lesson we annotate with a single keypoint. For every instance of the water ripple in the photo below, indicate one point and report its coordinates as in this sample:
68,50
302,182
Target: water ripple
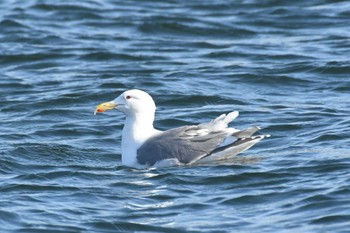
283,65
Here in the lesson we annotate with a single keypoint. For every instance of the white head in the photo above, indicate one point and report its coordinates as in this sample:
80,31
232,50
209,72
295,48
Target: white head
135,102
131,103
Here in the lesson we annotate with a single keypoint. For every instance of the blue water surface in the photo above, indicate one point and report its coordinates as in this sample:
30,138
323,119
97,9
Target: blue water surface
283,64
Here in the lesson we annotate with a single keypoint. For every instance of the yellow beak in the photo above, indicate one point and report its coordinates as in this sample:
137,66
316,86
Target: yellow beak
104,107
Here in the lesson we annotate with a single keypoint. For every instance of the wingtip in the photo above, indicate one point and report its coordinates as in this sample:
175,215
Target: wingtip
257,137
264,136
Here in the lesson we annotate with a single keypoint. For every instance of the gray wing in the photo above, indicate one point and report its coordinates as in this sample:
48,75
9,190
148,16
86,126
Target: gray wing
186,144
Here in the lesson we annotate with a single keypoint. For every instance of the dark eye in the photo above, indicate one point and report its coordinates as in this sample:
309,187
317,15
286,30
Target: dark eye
128,97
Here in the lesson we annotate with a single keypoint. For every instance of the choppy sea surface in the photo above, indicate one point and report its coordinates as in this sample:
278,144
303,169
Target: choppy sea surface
285,65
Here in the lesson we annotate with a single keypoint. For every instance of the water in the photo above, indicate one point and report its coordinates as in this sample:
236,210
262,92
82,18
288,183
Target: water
283,64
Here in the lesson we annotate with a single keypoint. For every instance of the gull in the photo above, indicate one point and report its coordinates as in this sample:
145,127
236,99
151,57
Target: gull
145,146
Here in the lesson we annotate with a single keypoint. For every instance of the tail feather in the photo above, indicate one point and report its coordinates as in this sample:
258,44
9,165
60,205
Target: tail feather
223,120
246,132
231,116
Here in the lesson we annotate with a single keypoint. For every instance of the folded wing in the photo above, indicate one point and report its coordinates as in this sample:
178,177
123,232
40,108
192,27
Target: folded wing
189,144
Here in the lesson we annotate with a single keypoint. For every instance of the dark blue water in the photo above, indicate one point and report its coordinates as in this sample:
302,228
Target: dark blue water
284,65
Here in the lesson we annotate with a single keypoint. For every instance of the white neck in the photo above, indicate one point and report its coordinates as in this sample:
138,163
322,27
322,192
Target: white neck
137,129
